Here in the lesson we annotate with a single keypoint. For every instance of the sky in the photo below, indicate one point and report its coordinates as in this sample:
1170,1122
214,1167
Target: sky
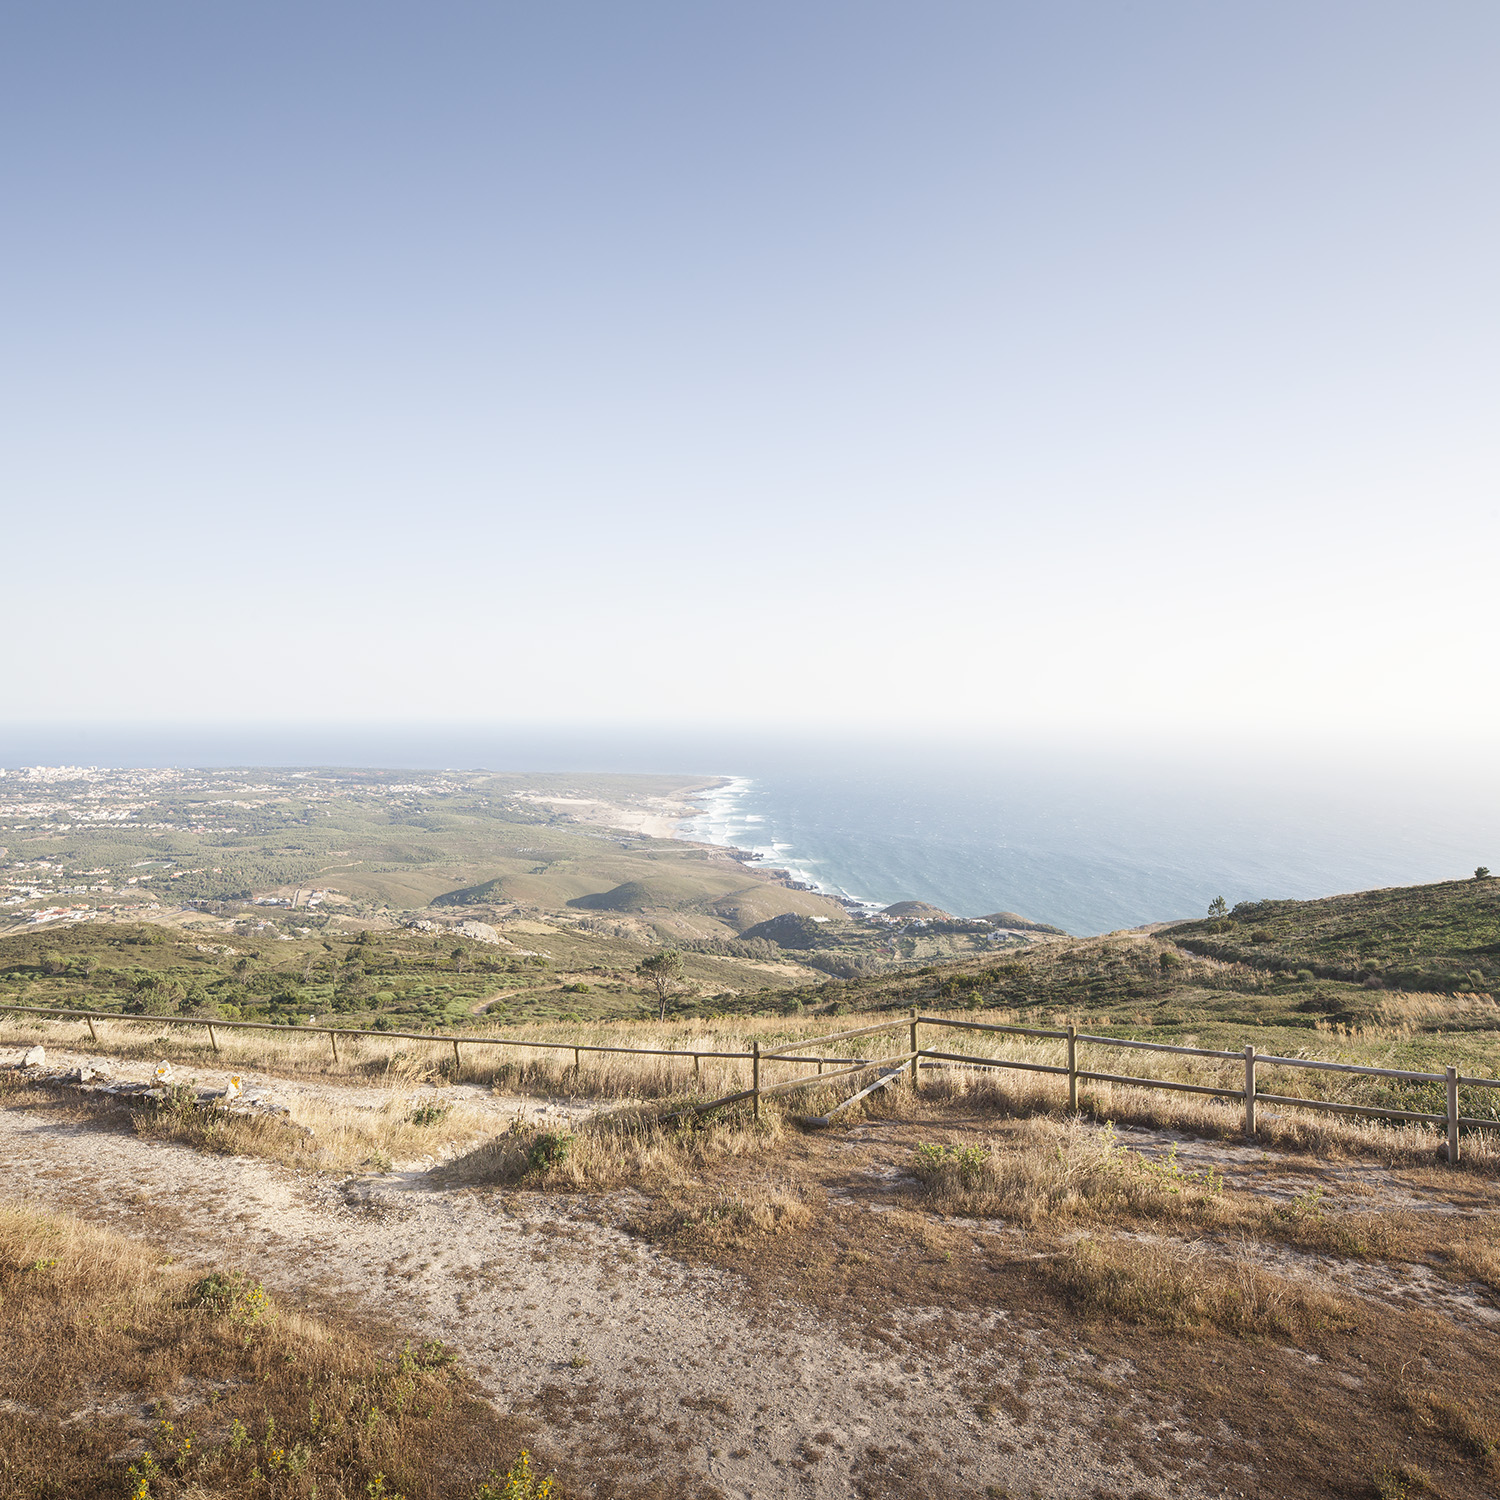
1052,369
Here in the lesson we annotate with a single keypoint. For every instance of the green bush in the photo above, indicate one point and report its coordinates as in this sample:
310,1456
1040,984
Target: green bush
233,1296
550,1149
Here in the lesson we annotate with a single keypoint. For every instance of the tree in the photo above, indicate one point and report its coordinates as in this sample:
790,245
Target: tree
1218,907
458,959
665,973
1482,873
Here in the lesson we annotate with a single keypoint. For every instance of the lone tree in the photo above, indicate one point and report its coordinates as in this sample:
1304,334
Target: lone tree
458,959
1218,907
665,972
1482,873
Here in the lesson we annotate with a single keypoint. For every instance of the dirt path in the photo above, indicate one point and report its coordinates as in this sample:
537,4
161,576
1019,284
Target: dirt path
633,1366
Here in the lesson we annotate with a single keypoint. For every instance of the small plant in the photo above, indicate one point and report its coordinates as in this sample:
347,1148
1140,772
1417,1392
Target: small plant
520,1483
1169,1172
1306,1205
429,1114
233,1296
967,1163
550,1149
140,1474
1392,1486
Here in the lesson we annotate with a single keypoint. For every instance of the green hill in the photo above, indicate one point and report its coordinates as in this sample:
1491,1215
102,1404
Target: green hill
662,893
1442,938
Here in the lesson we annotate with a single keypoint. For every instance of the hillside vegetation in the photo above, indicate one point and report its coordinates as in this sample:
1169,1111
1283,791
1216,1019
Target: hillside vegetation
1443,938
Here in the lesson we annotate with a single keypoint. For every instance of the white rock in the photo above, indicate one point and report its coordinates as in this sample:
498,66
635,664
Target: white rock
482,932
164,1074
36,1057
234,1088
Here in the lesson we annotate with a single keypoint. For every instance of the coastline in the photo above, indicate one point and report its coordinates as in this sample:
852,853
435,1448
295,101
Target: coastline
725,824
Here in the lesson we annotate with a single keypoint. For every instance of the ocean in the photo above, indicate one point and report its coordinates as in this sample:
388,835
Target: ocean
1088,838
1092,845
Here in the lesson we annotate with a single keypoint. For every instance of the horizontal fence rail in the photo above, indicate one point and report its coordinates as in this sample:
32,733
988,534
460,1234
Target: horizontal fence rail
912,1058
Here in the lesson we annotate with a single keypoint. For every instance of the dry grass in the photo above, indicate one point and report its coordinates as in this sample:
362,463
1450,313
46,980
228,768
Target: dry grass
318,1135
550,1071
326,1136
1188,1287
530,1067
129,1376
1062,1173
1049,1176
1315,1134
627,1148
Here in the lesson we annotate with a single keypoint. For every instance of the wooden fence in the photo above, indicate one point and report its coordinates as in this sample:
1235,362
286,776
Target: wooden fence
910,1060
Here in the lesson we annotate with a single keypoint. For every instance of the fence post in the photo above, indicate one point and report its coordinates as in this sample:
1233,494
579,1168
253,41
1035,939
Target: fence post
755,1076
212,1039
1249,1091
95,1035
333,1042
1072,1069
914,1048
1452,1116
697,1067
577,1062
457,1065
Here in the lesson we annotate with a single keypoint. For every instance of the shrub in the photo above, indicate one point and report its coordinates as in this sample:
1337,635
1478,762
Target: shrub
232,1295
550,1149
519,1484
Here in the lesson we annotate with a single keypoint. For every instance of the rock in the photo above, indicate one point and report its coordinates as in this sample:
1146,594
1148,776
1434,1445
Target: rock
481,932
36,1057
234,1088
164,1074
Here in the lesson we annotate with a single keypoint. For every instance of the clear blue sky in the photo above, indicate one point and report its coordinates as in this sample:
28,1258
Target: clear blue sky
1026,368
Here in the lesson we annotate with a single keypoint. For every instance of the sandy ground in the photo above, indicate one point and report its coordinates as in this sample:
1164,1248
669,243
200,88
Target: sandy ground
656,817
624,1357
